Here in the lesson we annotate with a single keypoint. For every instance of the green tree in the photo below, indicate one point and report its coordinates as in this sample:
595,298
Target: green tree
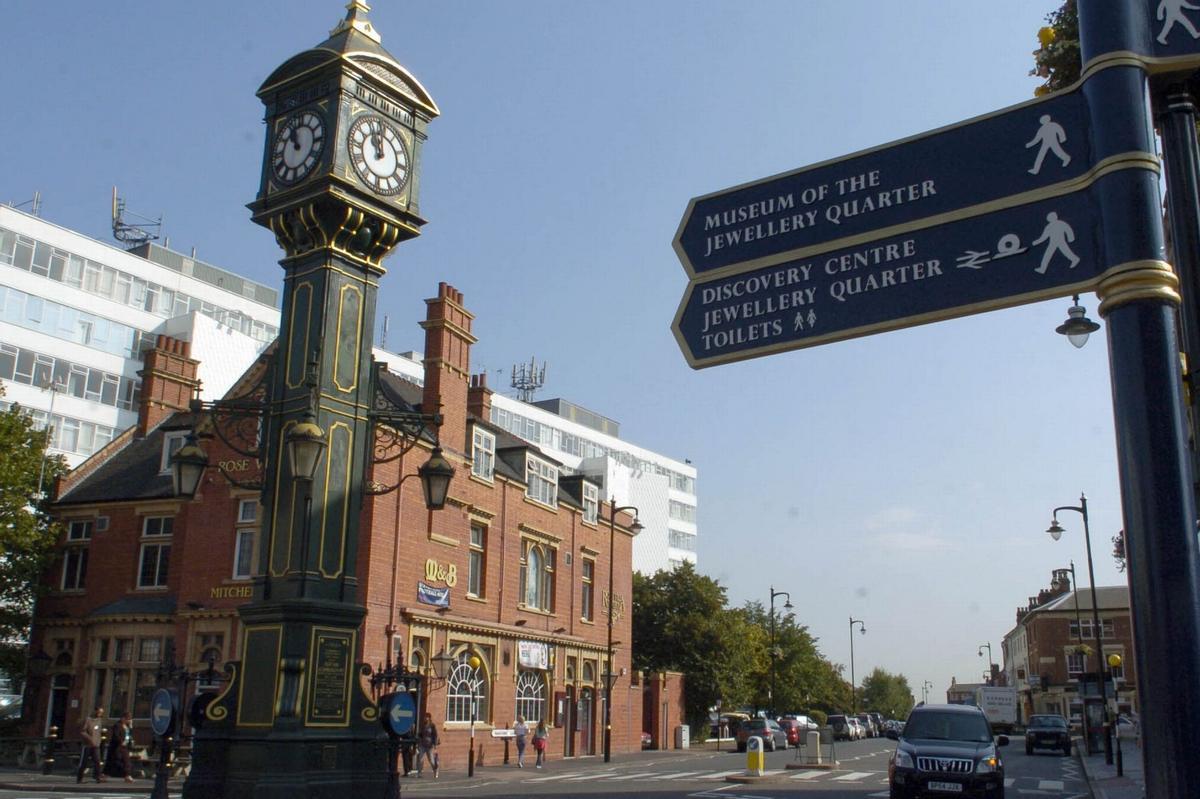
1057,60
803,678
680,623
887,693
27,534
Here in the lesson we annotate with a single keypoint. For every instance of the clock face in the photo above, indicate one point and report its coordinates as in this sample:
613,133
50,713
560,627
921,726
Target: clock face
378,154
298,146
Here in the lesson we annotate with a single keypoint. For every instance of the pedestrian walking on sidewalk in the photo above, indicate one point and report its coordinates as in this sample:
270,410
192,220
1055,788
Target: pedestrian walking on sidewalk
427,745
90,731
116,759
520,731
541,737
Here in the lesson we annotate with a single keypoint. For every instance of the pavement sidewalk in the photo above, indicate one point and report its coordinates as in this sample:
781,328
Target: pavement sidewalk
1102,778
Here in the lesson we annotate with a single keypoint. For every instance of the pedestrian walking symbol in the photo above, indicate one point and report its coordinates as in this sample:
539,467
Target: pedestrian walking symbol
1057,237
1171,12
1050,136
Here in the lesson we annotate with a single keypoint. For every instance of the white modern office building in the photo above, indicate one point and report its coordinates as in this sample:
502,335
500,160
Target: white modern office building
76,312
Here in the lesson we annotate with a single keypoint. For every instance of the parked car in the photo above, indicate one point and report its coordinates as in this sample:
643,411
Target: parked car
1047,731
730,721
856,726
647,741
773,736
795,729
947,749
843,730
1126,727
870,729
879,722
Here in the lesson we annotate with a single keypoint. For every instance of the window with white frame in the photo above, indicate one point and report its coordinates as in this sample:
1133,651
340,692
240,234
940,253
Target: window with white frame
156,551
591,502
172,442
537,576
483,459
1084,629
531,696
542,481
587,601
464,685
477,560
245,540
1076,663
75,554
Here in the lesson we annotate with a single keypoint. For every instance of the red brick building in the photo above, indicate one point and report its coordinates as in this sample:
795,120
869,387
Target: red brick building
515,570
1050,654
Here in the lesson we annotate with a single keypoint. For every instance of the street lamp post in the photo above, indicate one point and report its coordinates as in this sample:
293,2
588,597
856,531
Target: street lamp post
787,606
991,664
862,629
609,676
926,687
1056,530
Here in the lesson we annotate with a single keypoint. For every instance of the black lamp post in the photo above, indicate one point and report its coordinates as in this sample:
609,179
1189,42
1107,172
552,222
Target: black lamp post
862,629
991,664
1056,530
774,654
609,675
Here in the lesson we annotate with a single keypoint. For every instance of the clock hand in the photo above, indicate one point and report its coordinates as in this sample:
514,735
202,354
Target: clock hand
377,143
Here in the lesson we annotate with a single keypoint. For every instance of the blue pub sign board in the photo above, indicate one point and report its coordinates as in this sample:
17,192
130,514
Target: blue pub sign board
1038,200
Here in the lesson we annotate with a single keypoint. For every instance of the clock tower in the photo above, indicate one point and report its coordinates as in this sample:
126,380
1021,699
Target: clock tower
345,125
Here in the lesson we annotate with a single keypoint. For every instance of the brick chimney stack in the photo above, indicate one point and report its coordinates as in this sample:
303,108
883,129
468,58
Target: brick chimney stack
479,397
168,382
448,343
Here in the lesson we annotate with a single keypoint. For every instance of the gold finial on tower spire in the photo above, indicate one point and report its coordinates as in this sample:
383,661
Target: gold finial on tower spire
360,24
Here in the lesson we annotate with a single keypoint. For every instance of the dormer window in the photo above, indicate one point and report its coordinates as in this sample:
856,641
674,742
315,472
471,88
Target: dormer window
483,458
171,444
591,502
542,481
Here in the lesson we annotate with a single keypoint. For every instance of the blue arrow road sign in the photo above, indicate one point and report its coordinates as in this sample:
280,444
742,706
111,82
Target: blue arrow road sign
399,713
999,159
1048,248
162,711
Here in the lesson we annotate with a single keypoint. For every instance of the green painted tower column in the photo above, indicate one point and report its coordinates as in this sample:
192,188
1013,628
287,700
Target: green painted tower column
345,123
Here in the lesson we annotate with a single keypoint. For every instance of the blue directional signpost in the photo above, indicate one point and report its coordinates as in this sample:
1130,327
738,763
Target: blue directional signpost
1047,198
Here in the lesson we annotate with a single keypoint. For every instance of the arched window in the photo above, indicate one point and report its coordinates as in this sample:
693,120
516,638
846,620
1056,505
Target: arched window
463,685
589,672
537,576
531,696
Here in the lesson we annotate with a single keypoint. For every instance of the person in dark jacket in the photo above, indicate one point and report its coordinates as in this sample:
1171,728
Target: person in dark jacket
427,744
116,760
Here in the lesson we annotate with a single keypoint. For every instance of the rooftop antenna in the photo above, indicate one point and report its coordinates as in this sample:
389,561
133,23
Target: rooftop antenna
35,205
528,379
134,234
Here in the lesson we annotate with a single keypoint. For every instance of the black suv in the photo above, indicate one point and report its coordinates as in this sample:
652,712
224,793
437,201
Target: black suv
1047,732
947,749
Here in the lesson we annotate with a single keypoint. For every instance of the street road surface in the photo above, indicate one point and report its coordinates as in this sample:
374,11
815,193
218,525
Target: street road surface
861,774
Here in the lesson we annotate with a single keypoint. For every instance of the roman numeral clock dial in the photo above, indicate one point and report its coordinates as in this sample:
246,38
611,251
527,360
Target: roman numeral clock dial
379,155
298,147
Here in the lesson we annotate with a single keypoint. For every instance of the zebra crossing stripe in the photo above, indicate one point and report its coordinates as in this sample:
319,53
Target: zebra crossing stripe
808,775
720,775
633,776
1008,782
677,775
853,776
553,777
596,776
1050,785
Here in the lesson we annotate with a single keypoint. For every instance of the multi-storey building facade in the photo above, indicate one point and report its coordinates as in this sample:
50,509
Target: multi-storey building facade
75,315
515,571
1050,655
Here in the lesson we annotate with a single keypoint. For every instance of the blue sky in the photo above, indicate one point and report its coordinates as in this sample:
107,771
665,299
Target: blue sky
906,478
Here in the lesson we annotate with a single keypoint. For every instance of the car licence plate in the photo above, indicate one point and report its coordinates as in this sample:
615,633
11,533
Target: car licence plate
950,787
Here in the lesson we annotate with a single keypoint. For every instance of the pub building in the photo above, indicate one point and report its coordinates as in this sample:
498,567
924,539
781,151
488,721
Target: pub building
513,571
